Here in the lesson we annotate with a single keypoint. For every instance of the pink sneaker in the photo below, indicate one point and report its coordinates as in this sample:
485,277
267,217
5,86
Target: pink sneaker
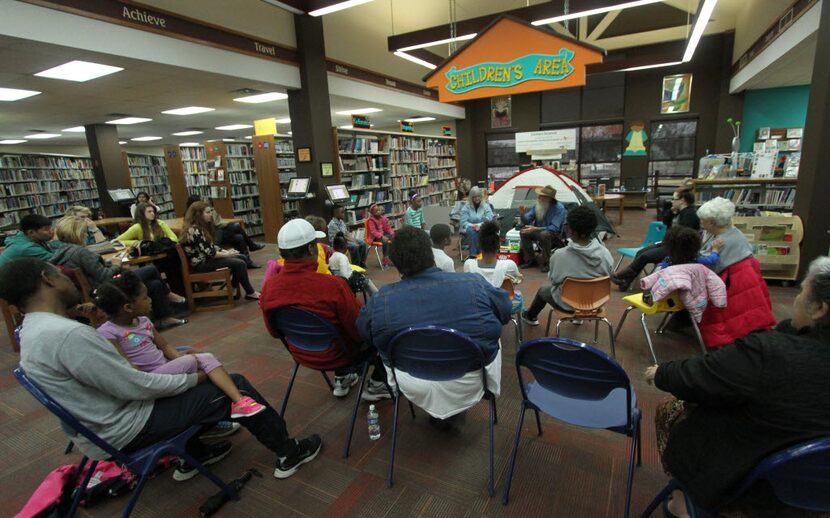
245,407
386,262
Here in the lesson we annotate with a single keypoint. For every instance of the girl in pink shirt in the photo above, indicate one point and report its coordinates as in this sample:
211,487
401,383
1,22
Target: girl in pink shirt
125,301
379,230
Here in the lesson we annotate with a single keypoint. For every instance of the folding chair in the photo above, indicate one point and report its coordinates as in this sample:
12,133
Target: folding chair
588,298
515,310
580,385
798,476
142,461
435,353
656,232
314,335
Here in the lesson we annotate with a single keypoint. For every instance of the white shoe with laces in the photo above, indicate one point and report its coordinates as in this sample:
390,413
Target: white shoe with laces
342,384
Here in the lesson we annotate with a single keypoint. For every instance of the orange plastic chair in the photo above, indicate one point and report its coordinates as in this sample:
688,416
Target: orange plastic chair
588,298
372,244
507,286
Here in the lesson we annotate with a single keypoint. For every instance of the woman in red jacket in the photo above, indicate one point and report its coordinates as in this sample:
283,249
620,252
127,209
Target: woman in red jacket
379,230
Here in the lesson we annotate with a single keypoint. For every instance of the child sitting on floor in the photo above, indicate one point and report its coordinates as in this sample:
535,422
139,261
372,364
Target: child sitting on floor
125,301
340,266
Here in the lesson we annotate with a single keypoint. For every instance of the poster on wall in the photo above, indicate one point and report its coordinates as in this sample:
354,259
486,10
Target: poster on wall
677,93
500,111
636,139
546,142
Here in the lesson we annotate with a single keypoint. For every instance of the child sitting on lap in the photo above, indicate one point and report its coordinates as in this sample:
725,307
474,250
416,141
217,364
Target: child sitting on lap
125,301
340,266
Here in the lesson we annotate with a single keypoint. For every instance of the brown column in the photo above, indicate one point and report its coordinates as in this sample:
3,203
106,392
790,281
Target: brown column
310,110
811,195
268,182
107,166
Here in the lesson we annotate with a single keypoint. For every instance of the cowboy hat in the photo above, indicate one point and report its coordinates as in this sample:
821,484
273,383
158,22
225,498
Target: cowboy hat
548,191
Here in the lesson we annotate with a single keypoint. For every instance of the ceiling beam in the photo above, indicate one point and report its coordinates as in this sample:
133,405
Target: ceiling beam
606,21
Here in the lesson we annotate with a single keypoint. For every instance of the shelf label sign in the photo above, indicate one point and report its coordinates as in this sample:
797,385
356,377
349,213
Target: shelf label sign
361,121
407,127
446,131
265,126
509,57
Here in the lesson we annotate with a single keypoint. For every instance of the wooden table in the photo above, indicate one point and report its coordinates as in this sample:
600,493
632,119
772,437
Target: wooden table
115,258
620,200
178,223
103,222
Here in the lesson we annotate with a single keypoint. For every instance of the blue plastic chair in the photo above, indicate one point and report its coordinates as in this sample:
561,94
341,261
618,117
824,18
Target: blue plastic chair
437,354
314,334
655,234
143,461
799,477
580,385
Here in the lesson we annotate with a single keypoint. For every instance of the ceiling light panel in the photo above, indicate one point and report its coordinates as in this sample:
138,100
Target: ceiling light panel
188,110
337,7
439,42
700,26
598,10
285,120
190,144
129,120
42,136
74,129
122,142
359,111
14,94
233,127
188,133
410,57
79,71
12,141
262,98
145,139
420,119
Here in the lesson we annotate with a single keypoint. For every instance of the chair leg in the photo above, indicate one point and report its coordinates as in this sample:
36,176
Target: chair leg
622,321
699,336
547,328
662,495
631,455
495,412
611,337
328,380
288,390
619,262
639,446
356,406
506,496
666,319
596,330
538,422
134,498
491,489
380,262
390,477
228,490
411,408
517,322
79,493
648,337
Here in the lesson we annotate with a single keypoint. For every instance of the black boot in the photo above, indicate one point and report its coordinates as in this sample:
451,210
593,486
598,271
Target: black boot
623,279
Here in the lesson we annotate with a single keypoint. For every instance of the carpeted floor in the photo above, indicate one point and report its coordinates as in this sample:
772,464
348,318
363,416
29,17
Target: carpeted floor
566,472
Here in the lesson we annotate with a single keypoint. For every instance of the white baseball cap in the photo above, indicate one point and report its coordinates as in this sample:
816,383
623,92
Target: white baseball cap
296,233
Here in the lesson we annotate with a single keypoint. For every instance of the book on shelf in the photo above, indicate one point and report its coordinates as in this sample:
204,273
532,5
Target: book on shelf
366,145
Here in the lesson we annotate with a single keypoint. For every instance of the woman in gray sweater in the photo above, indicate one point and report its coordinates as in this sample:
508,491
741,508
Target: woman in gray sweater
71,231
716,219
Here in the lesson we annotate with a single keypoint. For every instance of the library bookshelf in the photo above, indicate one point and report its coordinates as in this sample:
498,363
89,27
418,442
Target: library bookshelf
44,184
148,173
749,193
232,181
385,168
775,243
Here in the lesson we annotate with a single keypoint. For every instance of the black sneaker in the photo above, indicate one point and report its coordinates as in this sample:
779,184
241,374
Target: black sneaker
254,246
221,429
307,449
215,452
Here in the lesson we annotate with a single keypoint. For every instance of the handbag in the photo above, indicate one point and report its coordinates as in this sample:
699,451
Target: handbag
146,247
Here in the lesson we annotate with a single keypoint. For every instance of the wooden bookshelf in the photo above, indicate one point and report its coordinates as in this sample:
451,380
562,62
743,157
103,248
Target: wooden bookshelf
44,184
275,166
148,173
775,243
194,166
749,193
239,181
177,178
384,167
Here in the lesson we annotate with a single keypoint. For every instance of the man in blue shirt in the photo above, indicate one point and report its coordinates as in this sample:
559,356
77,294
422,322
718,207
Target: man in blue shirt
428,296
543,225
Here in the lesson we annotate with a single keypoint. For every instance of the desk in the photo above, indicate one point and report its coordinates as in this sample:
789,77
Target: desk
114,257
103,222
620,200
178,223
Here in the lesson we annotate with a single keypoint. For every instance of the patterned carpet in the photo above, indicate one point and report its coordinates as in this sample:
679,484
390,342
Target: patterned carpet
566,472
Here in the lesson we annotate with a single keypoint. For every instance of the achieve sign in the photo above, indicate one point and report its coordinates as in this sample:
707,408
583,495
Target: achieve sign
511,56
546,67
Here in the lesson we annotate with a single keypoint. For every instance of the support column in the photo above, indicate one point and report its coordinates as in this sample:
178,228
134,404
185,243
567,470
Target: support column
310,110
108,166
811,196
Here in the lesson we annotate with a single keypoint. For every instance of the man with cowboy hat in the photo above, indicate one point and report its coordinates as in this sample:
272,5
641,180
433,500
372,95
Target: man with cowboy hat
543,225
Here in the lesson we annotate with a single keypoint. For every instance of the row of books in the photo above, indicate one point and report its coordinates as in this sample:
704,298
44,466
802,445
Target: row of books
406,182
237,150
369,179
440,148
240,164
246,204
33,201
16,175
238,191
242,177
363,163
753,196
441,162
441,174
193,153
361,145
44,162
284,146
199,167
411,143
285,162
409,169
407,156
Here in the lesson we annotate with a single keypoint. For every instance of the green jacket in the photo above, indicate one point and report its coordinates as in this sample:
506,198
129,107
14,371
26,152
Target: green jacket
19,245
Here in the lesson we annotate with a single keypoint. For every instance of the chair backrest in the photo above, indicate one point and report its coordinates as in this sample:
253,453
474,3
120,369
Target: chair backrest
435,353
366,236
507,285
304,330
656,233
572,369
183,259
69,422
799,475
586,295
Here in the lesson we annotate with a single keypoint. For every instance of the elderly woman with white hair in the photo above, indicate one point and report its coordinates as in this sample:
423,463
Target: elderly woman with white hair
475,212
716,219
737,405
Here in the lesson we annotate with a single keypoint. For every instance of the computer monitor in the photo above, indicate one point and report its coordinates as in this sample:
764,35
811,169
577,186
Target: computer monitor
338,193
298,187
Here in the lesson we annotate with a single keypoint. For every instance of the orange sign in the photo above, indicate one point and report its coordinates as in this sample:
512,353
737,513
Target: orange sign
512,57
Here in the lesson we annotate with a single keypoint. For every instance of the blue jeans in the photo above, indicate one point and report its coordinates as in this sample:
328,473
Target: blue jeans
357,249
472,240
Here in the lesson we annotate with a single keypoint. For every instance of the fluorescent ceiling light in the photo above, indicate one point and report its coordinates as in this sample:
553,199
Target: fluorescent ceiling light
290,132
413,59
188,110
262,98
233,127
12,141
122,142
36,136
145,139
337,7
79,71
439,42
700,26
13,94
187,133
228,140
360,111
645,67
598,10
249,137
285,120
419,119
190,144
349,126
129,120
74,129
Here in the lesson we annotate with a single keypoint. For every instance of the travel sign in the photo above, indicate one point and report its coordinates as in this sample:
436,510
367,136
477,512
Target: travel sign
511,56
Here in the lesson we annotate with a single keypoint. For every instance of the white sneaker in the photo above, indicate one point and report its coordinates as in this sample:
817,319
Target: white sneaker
375,391
342,384
528,321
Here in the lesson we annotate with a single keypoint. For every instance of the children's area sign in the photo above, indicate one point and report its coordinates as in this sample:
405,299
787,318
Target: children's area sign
511,57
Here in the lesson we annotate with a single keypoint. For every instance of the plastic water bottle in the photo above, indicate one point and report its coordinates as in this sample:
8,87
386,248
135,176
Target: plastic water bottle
374,424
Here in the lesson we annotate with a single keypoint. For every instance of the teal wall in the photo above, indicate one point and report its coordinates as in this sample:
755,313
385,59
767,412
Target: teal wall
775,108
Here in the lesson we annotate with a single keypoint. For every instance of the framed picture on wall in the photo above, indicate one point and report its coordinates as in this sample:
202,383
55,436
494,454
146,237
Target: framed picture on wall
677,93
501,112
